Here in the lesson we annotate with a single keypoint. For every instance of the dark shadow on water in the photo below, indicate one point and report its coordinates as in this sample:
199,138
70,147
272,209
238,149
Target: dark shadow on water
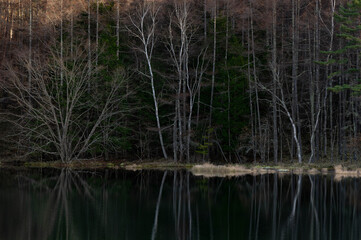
110,204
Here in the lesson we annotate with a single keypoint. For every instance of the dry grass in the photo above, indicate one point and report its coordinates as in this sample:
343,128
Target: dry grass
131,167
313,171
344,172
211,170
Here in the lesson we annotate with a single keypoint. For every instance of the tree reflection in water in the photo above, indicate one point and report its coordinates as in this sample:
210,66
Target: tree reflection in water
111,204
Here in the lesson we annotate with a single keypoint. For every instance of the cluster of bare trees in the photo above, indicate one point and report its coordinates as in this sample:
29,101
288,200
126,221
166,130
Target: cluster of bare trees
312,107
303,39
230,79
180,44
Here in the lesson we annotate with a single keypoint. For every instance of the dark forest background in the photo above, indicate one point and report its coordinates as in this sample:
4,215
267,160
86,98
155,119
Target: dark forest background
188,80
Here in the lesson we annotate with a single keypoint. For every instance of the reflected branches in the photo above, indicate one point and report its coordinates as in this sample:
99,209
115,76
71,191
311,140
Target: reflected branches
114,204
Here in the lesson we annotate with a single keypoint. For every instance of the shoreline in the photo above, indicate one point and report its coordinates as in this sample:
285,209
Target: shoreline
206,169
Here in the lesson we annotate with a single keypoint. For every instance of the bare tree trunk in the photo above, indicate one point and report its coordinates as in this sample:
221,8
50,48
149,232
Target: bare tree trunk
317,79
228,85
72,34
205,20
250,85
61,41
184,115
255,79
315,110
7,19
97,35
156,107
295,36
283,104
214,60
30,42
312,94
175,134
118,27
274,64
329,70
89,43
179,50
146,34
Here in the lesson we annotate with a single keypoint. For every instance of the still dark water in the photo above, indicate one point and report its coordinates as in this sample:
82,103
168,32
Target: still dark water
110,204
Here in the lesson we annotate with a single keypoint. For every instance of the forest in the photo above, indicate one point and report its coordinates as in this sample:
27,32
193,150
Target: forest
226,81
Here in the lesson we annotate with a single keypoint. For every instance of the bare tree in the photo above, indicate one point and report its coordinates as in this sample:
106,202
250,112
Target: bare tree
295,61
214,60
118,26
51,117
274,73
257,114
181,33
282,102
30,39
143,24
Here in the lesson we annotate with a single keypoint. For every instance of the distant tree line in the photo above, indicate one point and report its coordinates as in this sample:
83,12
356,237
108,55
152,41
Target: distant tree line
188,80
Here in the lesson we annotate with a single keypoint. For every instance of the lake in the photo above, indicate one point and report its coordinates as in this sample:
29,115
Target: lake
115,204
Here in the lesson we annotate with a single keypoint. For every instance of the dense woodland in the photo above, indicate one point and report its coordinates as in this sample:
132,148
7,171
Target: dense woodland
187,80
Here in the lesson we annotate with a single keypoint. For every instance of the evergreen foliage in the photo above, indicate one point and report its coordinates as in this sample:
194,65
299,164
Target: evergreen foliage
347,58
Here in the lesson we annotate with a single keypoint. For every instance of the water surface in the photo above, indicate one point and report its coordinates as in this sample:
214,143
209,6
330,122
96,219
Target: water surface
115,204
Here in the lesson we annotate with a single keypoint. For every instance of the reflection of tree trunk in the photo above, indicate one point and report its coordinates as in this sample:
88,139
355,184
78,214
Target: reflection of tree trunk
331,206
324,224
175,199
58,208
198,233
296,198
229,196
182,210
155,225
314,210
105,198
258,215
189,207
274,208
179,204
252,206
210,220
291,223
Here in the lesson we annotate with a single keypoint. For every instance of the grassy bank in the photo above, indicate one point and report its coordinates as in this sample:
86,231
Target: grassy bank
345,169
